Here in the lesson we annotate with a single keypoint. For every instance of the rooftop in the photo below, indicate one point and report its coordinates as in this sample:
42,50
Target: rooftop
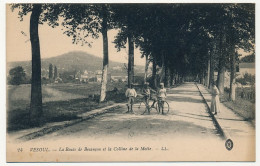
247,65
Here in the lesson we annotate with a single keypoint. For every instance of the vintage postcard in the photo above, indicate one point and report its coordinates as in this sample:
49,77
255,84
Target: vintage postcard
109,82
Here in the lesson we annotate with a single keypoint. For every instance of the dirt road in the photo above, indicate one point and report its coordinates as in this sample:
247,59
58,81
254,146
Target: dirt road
186,133
187,118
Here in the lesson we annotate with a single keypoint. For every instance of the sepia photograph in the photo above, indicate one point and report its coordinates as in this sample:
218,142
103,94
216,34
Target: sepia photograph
130,82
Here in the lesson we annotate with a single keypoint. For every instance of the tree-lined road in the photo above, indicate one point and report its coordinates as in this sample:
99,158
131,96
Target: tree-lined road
188,117
186,133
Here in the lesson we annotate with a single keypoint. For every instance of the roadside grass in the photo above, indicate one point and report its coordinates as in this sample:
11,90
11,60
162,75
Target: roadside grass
64,110
61,102
242,107
79,89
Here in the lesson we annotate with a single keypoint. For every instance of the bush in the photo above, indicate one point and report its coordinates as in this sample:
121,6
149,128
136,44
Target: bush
246,93
17,76
247,79
227,89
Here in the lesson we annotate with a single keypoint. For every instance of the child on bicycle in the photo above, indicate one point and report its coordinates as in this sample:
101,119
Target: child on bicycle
161,96
131,95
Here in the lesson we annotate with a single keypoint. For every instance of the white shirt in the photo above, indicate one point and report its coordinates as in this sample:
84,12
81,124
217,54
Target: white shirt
161,93
130,93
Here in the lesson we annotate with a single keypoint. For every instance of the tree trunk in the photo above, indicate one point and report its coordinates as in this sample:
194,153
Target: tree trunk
177,78
221,76
105,59
212,66
166,75
221,65
232,91
171,78
36,89
221,79
201,77
55,72
130,60
154,80
208,74
232,53
162,74
50,72
146,68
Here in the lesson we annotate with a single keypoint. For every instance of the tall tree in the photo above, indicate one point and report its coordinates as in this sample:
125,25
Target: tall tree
130,60
239,15
154,70
50,71
146,67
36,90
212,64
233,26
84,20
39,13
126,18
55,72
222,64
104,16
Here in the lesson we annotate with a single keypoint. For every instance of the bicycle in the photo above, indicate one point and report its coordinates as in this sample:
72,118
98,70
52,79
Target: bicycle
140,107
165,106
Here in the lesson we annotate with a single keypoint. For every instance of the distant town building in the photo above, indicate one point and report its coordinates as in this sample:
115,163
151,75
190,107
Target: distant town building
58,80
118,78
98,72
117,68
99,76
246,68
84,77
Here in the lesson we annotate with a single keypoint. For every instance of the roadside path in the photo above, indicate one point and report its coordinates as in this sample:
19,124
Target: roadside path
240,131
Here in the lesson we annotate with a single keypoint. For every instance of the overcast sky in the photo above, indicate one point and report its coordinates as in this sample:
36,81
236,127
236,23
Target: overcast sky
53,42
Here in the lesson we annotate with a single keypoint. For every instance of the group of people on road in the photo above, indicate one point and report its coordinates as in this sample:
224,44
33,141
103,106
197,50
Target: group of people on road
161,95
131,94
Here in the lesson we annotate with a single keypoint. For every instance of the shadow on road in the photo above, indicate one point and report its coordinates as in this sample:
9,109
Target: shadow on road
139,126
190,92
184,99
186,116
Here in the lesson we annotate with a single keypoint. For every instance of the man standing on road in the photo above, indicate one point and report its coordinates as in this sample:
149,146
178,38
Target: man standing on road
131,95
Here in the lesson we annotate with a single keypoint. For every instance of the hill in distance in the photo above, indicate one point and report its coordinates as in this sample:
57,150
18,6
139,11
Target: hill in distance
71,61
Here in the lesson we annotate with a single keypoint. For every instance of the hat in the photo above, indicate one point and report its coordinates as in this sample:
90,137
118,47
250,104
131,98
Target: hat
146,83
162,84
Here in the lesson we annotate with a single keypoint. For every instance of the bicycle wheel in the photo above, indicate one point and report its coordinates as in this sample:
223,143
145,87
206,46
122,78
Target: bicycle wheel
152,110
139,108
153,107
166,108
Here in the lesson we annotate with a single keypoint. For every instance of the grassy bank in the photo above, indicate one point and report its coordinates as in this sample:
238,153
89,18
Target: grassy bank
61,102
241,106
